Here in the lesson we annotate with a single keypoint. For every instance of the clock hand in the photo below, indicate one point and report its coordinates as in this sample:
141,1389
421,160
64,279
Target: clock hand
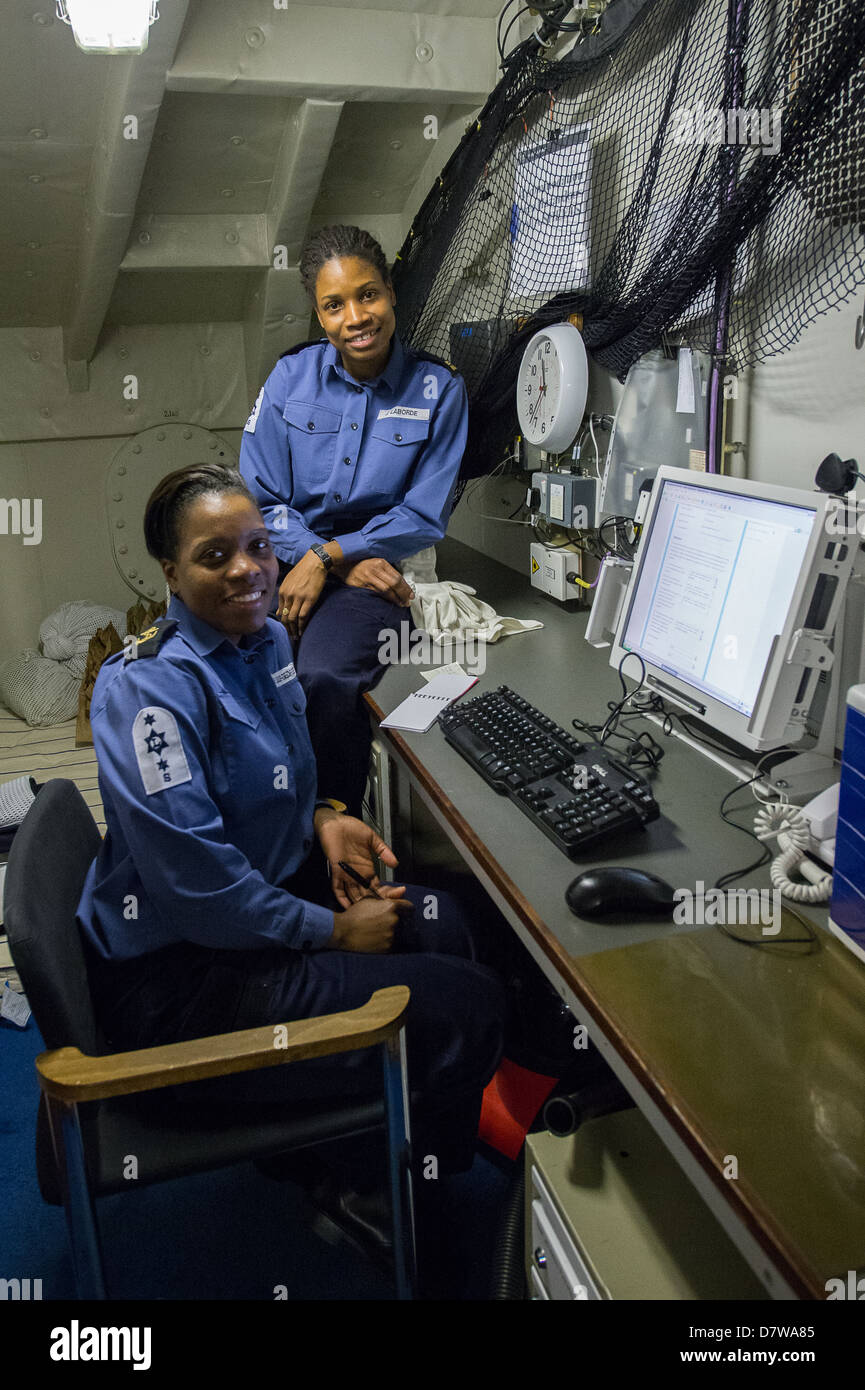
533,409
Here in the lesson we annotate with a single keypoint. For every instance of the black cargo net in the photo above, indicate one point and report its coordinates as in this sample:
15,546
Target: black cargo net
621,181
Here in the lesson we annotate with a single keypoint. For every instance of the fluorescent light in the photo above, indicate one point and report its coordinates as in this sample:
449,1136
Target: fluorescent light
109,26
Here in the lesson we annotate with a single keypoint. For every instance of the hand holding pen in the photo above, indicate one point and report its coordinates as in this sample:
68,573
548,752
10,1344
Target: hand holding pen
366,883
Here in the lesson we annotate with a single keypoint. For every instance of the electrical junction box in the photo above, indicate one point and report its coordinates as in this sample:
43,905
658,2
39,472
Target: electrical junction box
549,570
566,498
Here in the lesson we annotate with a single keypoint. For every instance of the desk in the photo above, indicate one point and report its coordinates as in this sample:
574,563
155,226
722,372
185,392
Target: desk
728,1050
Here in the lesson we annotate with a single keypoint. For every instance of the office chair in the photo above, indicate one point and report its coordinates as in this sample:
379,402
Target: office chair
95,1109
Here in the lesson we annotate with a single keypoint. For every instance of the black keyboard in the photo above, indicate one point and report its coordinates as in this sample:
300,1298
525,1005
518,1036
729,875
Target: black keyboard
572,790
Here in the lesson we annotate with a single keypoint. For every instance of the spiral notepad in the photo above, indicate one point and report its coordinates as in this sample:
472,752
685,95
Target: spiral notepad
419,712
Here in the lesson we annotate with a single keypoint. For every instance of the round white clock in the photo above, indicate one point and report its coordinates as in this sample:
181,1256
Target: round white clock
552,386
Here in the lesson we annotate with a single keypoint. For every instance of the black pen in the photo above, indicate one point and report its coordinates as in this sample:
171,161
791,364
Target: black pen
359,878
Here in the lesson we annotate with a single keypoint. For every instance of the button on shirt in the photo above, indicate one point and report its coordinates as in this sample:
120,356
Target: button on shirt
208,780
371,465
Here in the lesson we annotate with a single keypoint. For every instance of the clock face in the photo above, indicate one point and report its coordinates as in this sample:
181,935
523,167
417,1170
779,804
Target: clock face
540,390
552,387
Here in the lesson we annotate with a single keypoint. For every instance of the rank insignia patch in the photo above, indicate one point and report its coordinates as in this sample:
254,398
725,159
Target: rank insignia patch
158,749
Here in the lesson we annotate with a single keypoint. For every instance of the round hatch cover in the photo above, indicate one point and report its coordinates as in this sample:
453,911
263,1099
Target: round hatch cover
133,473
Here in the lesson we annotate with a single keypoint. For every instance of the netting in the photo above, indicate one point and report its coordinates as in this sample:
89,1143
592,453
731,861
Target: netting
623,181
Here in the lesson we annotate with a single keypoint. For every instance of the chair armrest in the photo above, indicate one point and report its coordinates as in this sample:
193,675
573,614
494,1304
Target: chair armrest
68,1075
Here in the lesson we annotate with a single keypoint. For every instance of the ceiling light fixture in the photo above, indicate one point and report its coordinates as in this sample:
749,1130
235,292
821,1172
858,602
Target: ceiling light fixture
109,26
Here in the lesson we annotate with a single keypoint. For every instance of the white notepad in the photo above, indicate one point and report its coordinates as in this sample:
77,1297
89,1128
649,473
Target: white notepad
420,711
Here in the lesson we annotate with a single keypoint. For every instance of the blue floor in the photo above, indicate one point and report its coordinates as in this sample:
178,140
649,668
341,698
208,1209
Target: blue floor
230,1234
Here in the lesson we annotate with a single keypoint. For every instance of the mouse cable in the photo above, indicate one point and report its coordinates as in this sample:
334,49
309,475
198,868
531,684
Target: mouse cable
809,939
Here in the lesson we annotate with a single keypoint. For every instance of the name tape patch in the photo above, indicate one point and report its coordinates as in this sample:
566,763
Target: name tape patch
158,749
403,412
286,674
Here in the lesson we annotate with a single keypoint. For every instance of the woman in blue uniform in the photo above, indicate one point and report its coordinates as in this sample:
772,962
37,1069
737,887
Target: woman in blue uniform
199,914
351,451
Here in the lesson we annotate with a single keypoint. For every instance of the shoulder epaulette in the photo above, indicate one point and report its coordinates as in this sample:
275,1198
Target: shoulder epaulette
431,357
299,347
149,642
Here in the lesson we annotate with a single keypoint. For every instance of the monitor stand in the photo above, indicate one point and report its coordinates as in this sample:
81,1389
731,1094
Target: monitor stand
796,779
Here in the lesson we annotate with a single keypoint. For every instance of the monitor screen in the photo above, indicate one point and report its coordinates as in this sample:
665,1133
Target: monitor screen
717,575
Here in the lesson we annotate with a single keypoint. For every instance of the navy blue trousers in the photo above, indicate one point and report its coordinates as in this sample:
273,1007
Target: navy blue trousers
337,661
454,1028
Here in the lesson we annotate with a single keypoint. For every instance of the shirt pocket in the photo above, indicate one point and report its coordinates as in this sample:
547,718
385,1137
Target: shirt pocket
397,445
404,435
293,699
239,709
312,435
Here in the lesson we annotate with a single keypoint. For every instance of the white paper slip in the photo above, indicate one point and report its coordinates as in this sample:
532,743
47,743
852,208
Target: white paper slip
420,711
685,392
454,669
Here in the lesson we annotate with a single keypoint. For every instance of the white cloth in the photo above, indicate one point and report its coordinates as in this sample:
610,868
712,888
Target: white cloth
420,568
447,608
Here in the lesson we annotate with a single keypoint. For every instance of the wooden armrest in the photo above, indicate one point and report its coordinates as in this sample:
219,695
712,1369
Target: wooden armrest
66,1074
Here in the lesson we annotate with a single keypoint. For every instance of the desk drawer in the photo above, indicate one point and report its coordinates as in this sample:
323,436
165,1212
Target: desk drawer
557,1264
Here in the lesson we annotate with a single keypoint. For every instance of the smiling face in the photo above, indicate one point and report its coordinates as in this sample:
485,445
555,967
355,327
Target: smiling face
355,308
225,571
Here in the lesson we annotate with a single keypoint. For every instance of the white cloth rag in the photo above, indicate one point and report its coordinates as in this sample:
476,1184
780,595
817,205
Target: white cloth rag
444,608
448,608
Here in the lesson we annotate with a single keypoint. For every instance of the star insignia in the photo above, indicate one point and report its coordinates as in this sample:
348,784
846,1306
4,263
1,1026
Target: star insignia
150,718
156,741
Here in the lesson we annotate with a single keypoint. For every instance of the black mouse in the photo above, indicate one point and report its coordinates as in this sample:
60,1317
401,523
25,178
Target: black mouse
618,893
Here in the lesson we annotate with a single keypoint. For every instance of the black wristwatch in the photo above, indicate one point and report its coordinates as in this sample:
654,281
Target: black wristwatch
324,557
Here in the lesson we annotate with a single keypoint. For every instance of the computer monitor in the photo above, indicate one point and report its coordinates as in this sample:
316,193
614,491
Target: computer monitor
733,600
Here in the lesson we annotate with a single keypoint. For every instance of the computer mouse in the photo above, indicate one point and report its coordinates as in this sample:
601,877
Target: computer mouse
619,893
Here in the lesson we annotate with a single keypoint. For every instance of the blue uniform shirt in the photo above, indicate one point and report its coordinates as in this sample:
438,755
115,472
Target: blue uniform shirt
208,780
369,464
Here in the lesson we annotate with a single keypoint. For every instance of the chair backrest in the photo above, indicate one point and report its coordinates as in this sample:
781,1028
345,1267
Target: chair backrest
48,863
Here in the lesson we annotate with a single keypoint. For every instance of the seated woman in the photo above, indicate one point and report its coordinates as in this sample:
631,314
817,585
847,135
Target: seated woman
198,916
352,452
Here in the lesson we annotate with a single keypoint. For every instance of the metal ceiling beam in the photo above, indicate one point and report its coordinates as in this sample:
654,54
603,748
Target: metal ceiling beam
133,96
278,310
350,54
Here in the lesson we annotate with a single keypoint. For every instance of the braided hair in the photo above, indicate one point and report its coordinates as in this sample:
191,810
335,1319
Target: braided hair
332,243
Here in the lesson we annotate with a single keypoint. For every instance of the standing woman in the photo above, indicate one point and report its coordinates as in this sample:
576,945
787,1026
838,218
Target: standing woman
199,914
352,452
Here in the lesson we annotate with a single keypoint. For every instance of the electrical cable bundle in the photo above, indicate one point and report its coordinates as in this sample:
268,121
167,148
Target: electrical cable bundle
642,751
